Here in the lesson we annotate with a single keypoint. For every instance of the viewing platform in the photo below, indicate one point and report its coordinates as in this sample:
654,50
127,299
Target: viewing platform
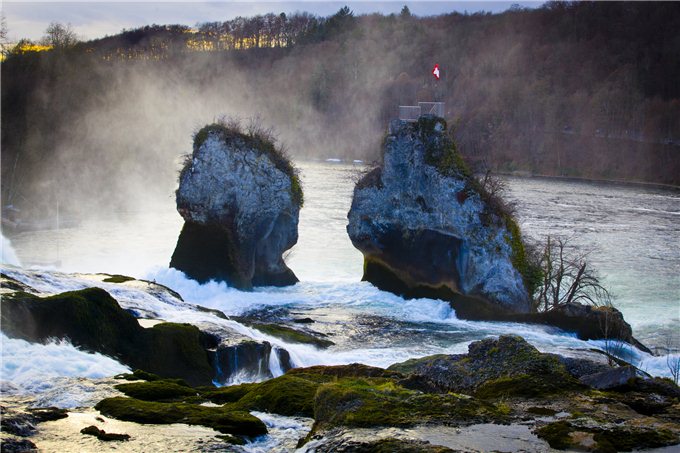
411,113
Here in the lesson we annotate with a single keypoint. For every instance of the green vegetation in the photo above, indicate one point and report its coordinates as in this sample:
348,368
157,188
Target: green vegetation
291,335
159,390
117,278
525,264
255,137
523,385
382,402
221,419
440,149
627,438
556,434
93,320
517,107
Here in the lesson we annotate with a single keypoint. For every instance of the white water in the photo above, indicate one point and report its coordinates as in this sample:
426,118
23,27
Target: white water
368,325
7,253
35,369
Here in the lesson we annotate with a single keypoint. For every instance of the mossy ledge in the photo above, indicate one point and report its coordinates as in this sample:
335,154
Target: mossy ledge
221,419
93,320
500,381
290,335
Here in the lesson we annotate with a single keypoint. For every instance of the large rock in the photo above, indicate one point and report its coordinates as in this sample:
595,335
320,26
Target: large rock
240,199
426,229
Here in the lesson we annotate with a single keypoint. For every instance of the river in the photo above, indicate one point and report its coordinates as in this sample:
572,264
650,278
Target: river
632,233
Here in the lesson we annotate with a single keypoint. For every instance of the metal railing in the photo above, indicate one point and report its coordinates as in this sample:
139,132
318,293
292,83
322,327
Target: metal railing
432,108
411,113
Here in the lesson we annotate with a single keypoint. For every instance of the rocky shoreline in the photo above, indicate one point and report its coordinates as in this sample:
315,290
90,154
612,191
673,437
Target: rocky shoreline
501,384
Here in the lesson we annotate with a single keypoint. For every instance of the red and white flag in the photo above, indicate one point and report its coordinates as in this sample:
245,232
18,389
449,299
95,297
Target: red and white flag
435,71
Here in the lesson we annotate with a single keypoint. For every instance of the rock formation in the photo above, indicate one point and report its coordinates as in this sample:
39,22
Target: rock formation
428,229
240,199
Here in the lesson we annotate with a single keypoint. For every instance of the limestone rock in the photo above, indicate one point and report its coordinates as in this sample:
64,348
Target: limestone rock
426,231
240,199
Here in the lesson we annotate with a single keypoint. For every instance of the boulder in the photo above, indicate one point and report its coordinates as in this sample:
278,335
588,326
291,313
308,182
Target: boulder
427,228
508,365
240,199
615,377
589,322
93,320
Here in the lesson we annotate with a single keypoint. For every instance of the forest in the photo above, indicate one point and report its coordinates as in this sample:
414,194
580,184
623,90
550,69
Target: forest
574,89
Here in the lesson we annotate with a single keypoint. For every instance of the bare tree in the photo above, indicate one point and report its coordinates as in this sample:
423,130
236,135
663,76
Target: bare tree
567,278
60,36
4,43
672,358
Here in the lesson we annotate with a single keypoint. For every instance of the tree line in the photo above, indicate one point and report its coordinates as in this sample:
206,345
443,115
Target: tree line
570,89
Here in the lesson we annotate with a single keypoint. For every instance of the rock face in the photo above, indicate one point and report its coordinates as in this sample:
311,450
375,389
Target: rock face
240,200
426,230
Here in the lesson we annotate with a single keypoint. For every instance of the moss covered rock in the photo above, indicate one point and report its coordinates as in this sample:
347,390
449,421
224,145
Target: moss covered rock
426,228
507,366
221,419
92,319
240,198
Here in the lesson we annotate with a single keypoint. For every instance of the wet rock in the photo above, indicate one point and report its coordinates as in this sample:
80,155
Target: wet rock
222,419
47,414
13,445
16,423
581,367
240,199
291,335
507,366
242,356
341,444
589,322
92,319
103,435
427,229
612,378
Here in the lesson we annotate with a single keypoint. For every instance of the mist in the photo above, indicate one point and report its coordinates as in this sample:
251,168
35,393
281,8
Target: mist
96,132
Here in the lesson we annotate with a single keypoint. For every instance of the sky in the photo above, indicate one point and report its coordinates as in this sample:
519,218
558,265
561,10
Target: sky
95,19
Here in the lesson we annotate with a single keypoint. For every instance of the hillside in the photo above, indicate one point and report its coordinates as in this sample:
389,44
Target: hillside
586,90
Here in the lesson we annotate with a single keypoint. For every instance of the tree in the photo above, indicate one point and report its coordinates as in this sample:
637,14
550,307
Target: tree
60,36
405,12
567,278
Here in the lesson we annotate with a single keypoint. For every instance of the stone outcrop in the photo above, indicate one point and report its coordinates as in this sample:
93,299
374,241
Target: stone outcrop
427,229
91,319
240,200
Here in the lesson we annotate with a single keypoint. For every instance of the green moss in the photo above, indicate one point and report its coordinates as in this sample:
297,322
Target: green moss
627,439
541,411
160,390
411,365
531,273
228,394
138,375
291,335
382,402
256,138
284,395
221,419
556,434
117,278
440,150
523,385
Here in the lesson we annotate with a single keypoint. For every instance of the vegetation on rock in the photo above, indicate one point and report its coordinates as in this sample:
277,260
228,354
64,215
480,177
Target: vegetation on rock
93,320
221,419
253,137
